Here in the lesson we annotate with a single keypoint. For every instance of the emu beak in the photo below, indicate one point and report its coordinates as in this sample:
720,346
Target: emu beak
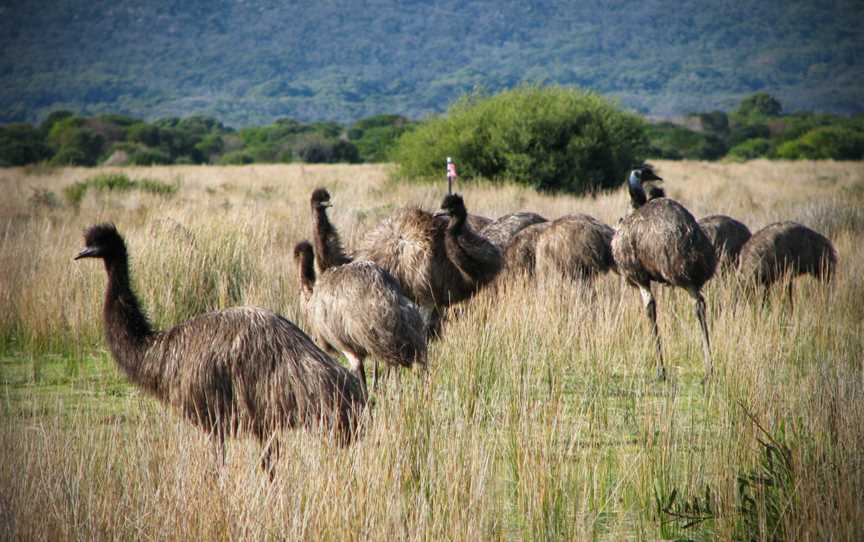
441,214
89,252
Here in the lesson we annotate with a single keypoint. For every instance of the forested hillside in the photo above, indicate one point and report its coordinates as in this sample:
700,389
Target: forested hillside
250,62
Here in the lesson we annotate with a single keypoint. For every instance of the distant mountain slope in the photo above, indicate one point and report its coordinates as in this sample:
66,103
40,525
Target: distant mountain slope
251,61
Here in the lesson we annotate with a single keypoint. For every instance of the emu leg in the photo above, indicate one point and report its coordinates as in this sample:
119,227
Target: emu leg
356,363
703,324
789,287
375,376
651,311
270,456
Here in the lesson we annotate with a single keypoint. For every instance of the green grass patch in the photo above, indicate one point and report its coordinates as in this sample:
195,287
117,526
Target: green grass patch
115,182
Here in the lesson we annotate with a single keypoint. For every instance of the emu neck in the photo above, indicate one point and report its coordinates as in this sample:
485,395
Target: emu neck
307,274
127,330
328,247
470,252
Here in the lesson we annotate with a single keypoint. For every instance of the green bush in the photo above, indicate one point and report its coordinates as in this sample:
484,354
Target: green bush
672,142
22,144
120,182
825,143
235,158
75,143
752,148
550,138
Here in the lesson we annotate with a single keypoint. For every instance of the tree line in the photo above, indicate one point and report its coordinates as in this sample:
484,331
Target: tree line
549,137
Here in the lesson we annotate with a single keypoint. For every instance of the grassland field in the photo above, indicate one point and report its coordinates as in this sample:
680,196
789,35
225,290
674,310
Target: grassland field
540,418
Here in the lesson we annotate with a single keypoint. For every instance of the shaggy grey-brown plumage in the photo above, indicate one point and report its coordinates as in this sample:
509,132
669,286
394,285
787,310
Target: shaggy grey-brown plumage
502,230
477,222
328,246
727,236
660,241
412,245
358,308
244,370
577,247
521,253
786,247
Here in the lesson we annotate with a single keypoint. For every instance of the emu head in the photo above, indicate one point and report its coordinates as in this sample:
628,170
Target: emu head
638,176
102,241
453,205
320,198
304,259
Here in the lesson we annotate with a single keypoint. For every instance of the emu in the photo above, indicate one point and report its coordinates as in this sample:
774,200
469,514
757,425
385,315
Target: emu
727,236
786,247
521,253
577,247
243,370
501,231
356,307
437,262
660,241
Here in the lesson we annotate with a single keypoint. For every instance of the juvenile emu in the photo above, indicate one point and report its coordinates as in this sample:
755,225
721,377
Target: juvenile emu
356,307
243,370
502,230
428,258
660,241
577,247
727,236
786,247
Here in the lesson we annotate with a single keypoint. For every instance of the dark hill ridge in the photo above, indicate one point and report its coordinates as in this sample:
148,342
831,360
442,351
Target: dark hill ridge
249,61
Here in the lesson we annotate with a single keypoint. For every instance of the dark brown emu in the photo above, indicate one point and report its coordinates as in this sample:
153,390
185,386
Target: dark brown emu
786,247
660,241
727,236
243,370
437,261
356,307
576,247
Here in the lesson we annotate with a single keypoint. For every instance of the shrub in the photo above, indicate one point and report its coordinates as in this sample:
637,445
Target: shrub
550,138
752,148
826,143
235,158
22,144
315,148
672,142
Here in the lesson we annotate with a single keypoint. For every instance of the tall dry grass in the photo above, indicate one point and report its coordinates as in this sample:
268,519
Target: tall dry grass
540,417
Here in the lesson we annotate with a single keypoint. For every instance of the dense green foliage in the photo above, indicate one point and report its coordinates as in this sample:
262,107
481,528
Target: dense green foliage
550,138
256,61
759,129
64,138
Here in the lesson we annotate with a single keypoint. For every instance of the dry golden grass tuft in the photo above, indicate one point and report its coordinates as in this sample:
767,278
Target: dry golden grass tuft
540,417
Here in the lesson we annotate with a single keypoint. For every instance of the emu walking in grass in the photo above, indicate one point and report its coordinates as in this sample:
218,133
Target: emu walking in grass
436,261
243,370
577,247
727,236
356,307
660,241
786,247
501,231
521,253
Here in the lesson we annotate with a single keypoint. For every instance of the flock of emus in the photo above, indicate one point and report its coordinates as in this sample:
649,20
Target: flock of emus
248,370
